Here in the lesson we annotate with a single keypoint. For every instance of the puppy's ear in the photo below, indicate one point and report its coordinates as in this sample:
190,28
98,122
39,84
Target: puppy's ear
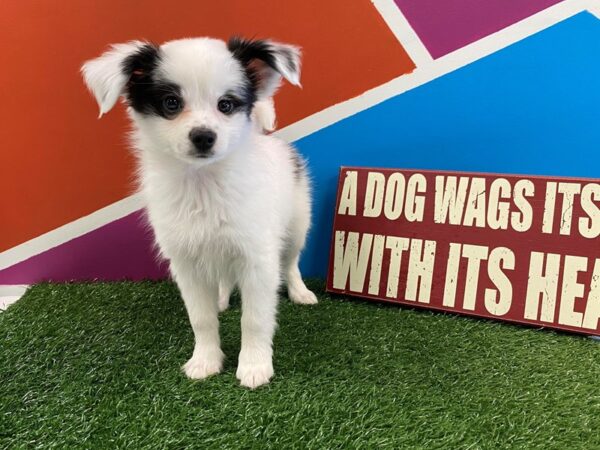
266,62
107,75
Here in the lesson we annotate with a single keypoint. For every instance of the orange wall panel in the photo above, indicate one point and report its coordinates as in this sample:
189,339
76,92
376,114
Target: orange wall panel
58,162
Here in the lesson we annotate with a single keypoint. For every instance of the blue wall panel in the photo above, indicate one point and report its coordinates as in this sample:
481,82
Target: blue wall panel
532,108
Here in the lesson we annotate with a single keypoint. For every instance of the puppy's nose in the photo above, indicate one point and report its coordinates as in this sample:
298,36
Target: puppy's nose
203,139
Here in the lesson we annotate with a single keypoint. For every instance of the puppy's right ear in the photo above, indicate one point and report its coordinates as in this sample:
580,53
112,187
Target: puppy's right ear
107,75
266,62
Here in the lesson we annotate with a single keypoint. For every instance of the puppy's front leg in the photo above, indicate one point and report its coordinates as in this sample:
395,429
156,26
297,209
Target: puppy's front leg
200,299
259,307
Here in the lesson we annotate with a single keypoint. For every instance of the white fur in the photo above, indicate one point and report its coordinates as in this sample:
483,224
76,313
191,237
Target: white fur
264,114
239,218
104,76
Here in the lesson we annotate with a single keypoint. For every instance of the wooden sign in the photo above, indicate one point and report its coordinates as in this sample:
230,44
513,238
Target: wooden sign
517,248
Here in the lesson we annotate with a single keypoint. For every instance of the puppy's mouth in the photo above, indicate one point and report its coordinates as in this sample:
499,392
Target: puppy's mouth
200,158
195,154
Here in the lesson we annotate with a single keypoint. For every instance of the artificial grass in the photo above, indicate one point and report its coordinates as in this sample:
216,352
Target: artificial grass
97,366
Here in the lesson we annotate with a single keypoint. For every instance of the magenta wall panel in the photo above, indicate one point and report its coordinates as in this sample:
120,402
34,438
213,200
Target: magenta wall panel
447,25
120,250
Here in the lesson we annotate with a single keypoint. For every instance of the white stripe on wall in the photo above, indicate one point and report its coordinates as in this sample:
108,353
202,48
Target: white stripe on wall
398,24
594,7
71,230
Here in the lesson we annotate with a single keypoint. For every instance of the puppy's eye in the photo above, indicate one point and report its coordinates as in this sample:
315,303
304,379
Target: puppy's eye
172,104
225,106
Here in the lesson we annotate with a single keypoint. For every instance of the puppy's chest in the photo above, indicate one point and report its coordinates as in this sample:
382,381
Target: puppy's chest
199,214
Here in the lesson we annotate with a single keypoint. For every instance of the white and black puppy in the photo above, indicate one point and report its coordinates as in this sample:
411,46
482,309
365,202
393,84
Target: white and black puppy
229,205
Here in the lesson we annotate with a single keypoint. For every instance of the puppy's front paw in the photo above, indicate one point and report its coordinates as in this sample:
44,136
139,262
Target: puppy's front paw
200,367
253,375
302,296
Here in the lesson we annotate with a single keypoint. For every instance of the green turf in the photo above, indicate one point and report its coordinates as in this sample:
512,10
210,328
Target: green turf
97,366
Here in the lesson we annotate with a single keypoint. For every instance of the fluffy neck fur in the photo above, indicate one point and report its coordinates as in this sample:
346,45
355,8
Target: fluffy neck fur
190,206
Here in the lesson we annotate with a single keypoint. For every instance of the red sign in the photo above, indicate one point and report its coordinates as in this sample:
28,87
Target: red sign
508,247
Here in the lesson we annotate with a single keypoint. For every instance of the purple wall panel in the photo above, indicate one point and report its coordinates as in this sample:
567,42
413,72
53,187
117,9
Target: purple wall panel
447,25
120,250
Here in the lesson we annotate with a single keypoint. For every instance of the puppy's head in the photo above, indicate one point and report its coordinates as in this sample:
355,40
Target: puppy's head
191,98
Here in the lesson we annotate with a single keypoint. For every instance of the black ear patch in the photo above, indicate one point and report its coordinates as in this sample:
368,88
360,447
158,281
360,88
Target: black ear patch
251,54
246,50
265,63
143,62
144,91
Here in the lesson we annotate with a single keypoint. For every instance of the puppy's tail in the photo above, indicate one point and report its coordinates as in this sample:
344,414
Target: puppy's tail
264,115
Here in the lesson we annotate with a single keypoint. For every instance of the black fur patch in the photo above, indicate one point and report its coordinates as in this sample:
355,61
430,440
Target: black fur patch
240,101
144,92
246,51
299,163
245,96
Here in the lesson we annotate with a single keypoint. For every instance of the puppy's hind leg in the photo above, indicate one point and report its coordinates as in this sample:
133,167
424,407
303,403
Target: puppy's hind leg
200,297
297,290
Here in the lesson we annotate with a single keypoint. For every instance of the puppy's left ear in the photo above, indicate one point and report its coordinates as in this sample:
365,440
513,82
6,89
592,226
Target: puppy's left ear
266,62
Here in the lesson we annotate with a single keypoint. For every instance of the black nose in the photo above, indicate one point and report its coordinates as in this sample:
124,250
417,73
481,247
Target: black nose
203,139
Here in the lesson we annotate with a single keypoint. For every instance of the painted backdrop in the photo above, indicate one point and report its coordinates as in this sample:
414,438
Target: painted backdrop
488,86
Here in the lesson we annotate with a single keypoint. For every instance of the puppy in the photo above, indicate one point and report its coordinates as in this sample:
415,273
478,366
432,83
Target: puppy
229,205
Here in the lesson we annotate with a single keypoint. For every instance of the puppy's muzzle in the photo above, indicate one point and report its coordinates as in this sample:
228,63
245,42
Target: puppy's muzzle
203,140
